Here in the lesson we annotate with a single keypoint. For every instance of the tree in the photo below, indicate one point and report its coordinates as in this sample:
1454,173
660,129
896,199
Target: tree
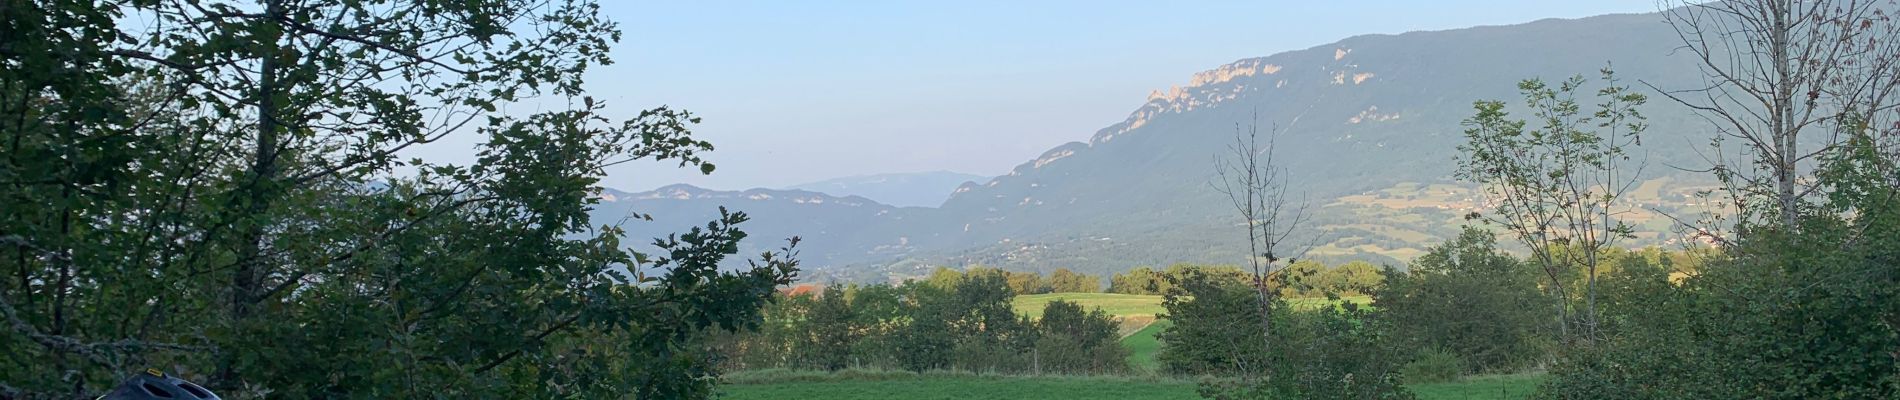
1556,186
1468,298
1208,312
833,327
926,342
1257,189
990,336
882,312
1028,283
1778,315
1141,280
1343,352
1783,77
1066,281
1072,341
944,278
1353,277
1800,300
775,342
1304,279
216,186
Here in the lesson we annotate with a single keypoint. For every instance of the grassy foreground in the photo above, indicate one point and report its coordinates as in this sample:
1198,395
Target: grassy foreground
967,387
858,384
1516,386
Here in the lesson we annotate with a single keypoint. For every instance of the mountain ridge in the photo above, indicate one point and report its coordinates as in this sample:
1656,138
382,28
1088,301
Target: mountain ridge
903,189
1371,118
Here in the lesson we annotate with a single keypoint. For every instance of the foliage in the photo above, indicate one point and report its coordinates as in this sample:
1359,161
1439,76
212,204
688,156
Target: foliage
1141,280
989,336
1326,353
1214,319
1433,365
1783,313
1073,341
832,326
1061,281
1780,317
1066,281
1357,277
1783,79
1471,300
1028,283
213,187
1147,281
1556,184
973,325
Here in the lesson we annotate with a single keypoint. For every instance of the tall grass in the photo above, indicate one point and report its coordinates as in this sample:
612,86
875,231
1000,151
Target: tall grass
855,384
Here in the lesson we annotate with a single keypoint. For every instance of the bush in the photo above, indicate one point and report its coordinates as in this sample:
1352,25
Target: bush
1076,342
1467,298
1326,353
1216,326
1778,317
1433,365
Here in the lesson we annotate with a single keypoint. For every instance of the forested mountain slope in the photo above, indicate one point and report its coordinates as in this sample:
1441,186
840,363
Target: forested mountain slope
1368,130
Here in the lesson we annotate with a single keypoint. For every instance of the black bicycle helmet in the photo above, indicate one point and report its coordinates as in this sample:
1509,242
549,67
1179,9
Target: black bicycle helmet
154,385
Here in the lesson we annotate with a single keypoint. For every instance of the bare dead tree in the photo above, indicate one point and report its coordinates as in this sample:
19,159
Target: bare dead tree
1258,189
1780,78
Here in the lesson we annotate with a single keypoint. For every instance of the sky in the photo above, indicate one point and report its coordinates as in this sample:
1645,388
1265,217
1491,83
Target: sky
799,91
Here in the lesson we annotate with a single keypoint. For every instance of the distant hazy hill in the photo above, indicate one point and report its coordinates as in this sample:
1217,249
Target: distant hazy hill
834,229
1371,124
917,189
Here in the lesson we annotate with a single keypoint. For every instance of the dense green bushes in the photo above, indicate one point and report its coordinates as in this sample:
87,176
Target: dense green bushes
1472,301
1216,326
1433,365
1782,316
961,323
1328,352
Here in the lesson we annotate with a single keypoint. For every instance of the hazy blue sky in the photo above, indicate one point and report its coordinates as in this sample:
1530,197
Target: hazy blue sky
797,91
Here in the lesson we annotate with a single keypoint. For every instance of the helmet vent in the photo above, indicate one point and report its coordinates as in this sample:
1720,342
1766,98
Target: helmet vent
156,391
196,391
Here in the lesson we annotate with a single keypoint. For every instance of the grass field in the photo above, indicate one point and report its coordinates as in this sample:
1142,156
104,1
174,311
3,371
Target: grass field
1515,386
850,385
1124,305
966,387
1142,346
1120,305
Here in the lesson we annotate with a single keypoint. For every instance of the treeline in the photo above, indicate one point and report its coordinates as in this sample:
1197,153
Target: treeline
1306,278
1465,307
961,321
1061,281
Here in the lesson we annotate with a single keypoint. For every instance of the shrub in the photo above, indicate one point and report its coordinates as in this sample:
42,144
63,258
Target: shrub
1469,299
1433,365
1778,317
